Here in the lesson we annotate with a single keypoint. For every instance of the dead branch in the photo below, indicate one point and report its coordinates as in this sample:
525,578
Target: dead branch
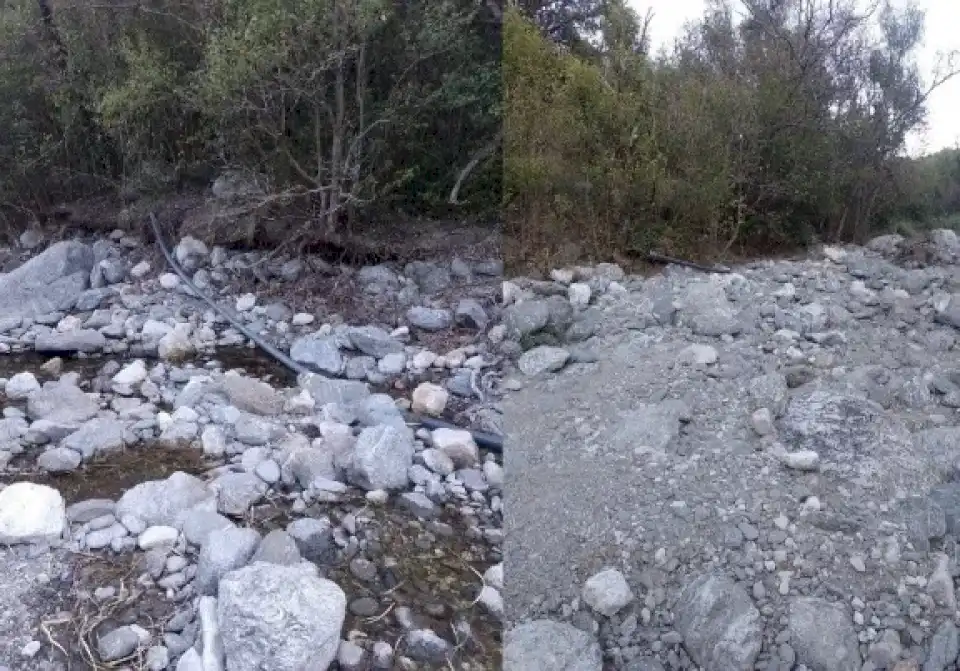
481,155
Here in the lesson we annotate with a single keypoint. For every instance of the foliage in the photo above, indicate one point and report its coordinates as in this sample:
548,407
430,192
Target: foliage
337,104
770,128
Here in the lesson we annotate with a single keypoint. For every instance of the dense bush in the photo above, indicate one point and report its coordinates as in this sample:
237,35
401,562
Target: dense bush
335,105
753,133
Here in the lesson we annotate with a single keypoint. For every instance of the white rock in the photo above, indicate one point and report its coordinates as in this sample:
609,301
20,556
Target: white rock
156,537
153,330
301,404
429,398
493,576
132,373
176,343
423,360
578,294
801,460
458,445
31,512
185,414
607,592
20,386
169,281
762,421
69,323
492,601
246,302
835,254
378,497
302,319
213,441
140,270
704,355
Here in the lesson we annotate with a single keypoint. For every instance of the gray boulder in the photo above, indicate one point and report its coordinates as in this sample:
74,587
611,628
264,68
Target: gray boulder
49,282
721,627
823,636
544,645
283,618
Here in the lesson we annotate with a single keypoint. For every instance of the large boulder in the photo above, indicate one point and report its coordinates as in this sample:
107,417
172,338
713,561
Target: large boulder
31,513
49,282
544,645
283,618
721,627
164,502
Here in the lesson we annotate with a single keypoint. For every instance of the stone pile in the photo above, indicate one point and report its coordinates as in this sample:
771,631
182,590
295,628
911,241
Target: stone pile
758,468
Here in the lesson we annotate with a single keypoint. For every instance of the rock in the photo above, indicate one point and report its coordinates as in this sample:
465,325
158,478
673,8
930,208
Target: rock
169,281
424,645
277,547
701,355
31,513
470,314
223,551
801,460
96,436
163,502
237,492
417,504
430,399
131,374
199,523
542,359
493,576
20,386
117,644
246,302
251,395
527,318
189,252
318,352
544,645
429,319
59,460
607,592
381,458
823,636
373,341
61,403
77,340
856,437
176,344
342,392
707,310
157,537
458,445
307,464
285,618
157,658
944,648
350,656
49,282
940,583
214,441
721,627
314,538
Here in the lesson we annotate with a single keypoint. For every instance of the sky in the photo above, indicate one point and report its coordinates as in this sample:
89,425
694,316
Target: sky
941,35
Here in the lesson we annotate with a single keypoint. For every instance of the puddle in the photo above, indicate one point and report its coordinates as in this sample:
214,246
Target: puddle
109,475
252,361
437,575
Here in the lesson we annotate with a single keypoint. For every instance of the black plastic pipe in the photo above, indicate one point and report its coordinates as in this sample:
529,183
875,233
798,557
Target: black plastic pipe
488,441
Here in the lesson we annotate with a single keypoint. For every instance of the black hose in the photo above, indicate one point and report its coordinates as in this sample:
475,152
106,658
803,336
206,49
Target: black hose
488,441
